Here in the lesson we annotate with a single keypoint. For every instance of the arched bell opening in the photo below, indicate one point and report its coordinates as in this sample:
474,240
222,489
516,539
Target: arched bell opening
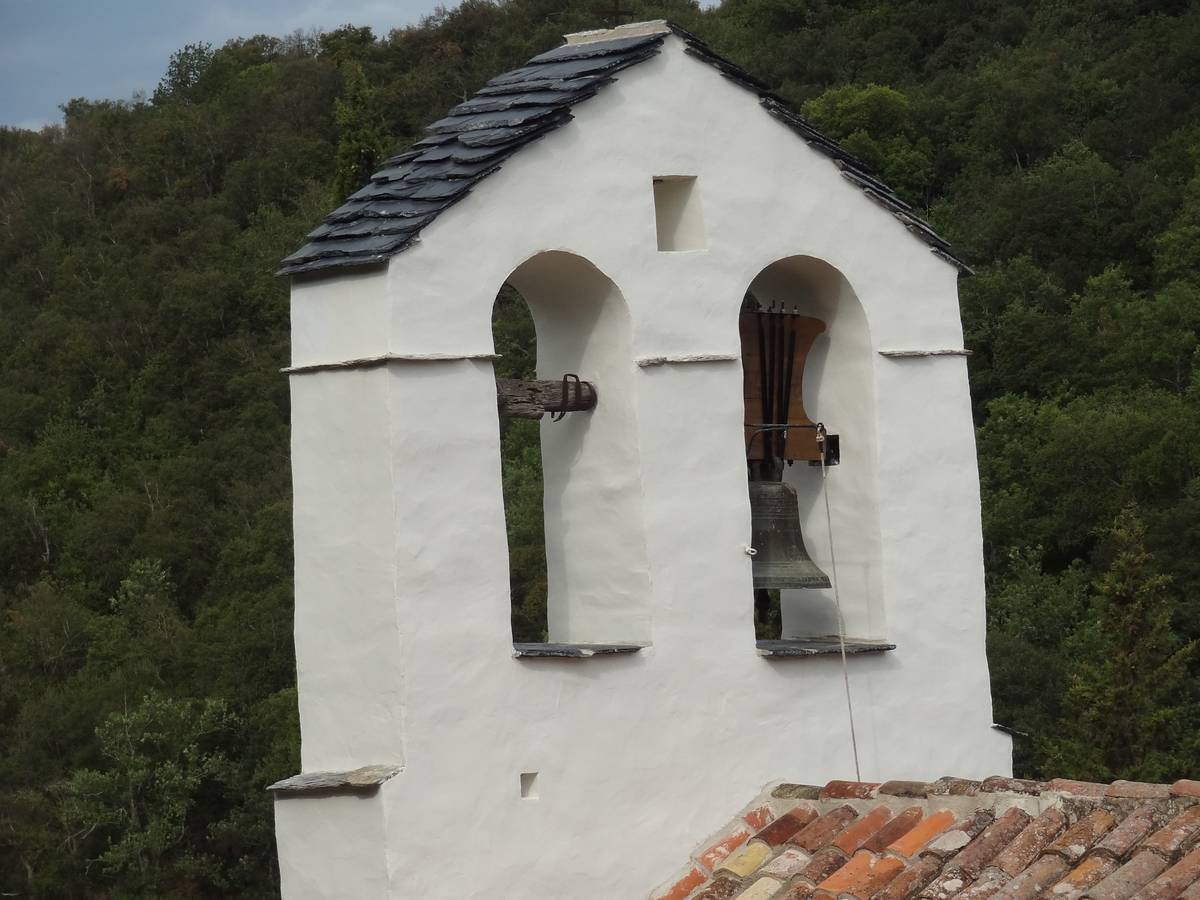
596,565
515,341
811,455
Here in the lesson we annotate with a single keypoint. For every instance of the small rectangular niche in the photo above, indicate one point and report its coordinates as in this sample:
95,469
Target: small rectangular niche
677,213
529,788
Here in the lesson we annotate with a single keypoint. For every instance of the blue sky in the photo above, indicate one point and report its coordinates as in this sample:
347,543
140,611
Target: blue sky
54,50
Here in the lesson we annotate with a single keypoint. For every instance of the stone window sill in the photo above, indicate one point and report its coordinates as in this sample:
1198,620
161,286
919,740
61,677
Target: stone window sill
571,651
822,646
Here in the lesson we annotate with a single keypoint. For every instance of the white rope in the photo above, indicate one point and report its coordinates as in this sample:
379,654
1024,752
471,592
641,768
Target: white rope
837,602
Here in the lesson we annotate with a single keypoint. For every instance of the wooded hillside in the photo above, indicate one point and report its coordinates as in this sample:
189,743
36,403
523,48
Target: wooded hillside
146,666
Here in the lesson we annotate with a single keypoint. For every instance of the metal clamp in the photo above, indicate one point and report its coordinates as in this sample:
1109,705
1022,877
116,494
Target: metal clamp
567,380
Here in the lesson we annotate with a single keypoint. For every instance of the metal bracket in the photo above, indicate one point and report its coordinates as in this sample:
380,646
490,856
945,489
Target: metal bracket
567,380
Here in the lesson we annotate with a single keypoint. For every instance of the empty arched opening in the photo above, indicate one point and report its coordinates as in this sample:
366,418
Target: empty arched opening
515,341
821,335
596,572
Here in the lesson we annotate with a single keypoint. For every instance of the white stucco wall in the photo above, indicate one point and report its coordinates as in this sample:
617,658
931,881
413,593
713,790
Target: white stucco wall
402,621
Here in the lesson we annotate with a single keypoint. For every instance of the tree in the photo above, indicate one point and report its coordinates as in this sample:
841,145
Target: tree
161,759
1131,707
360,137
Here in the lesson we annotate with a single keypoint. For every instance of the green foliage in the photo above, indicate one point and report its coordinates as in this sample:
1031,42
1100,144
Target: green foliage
145,544
521,462
359,136
1130,704
161,759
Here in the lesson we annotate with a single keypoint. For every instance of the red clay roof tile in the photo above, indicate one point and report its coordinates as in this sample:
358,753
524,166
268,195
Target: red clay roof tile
819,833
1027,845
1170,840
956,787
911,881
858,833
1075,883
823,865
861,877
957,840
1135,826
848,790
988,845
1129,879
1011,785
786,826
1077,788
1138,790
1035,879
922,833
895,829
1185,787
964,831
1077,840
1171,883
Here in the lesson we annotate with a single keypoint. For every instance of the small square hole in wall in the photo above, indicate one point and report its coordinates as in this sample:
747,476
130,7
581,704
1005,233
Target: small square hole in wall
677,213
529,789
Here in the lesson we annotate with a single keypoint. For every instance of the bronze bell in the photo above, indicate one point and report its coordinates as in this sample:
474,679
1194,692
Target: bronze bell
781,560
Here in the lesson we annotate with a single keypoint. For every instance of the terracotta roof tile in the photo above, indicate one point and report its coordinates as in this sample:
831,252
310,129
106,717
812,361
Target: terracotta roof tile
964,831
823,865
1011,785
759,817
954,839
730,840
1088,873
823,830
849,790
723,888
988,845
1138,790
1035,879
1027,845
858,833
1077,840
907,788
786,826
895,829
1171,883
1135,826
763,889
911,881
788,864
861,877
799,892
1177,834
988,884
1077,788
922,833
1128,880
956,787
745,860
945,886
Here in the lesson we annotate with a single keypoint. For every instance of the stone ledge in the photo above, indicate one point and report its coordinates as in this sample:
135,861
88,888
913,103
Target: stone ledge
358,781
819,647
571,651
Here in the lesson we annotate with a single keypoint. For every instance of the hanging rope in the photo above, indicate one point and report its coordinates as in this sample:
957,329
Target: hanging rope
837,602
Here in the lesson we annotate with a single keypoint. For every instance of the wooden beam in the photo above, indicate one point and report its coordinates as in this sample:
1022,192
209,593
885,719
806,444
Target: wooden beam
518,399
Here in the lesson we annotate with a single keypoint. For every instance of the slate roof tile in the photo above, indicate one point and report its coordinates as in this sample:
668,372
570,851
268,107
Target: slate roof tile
1006,839
516,108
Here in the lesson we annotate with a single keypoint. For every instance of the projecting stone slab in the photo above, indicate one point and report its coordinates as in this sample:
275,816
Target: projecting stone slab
363,780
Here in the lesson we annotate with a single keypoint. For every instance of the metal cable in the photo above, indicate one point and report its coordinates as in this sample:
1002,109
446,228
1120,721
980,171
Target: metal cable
837,602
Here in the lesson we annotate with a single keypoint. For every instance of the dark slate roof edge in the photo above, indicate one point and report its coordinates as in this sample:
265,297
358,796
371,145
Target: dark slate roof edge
852,168
541,94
